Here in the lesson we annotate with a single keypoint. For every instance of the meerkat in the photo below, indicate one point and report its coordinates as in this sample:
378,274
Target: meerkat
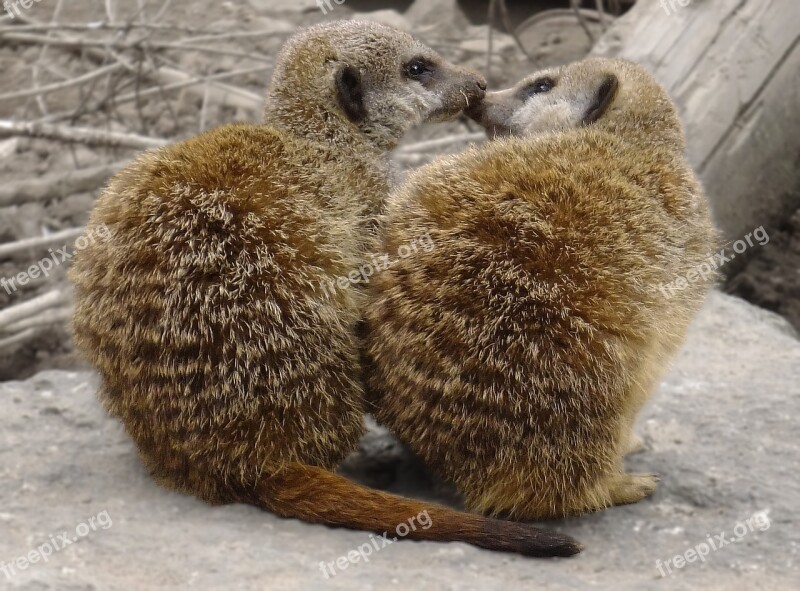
514,355
231,365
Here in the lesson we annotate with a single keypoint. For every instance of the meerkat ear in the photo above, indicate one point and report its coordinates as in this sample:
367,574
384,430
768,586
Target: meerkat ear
350,93
605,95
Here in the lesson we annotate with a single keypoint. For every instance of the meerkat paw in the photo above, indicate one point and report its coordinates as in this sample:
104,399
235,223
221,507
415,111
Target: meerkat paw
632,488
633,444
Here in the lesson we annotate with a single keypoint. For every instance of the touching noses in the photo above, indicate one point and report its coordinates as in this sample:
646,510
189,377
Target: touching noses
477,92
473,83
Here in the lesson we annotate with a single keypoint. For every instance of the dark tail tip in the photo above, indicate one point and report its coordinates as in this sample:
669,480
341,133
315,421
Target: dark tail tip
555,544
522,538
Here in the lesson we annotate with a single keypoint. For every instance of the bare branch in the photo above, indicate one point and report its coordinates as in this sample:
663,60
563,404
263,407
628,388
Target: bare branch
110,9
218,92
64,236
100,26
34,39
46,318
58,185
98,51
490,39
580,15
510,29
194,81
441,142
51,299
79,135
18,338
282,28
61,85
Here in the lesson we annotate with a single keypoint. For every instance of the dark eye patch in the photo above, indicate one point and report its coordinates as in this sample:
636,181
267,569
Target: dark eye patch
604,98
540,86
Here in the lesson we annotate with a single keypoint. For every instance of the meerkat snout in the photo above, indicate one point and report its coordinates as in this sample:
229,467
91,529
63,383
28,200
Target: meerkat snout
552,100
456,88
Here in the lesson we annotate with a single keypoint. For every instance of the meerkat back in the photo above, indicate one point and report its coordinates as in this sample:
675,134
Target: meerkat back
514,355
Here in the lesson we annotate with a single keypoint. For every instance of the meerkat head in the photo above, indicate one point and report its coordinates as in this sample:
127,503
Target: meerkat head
346,79
612,93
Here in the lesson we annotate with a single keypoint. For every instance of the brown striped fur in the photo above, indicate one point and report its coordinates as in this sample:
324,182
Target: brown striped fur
231,368
514,355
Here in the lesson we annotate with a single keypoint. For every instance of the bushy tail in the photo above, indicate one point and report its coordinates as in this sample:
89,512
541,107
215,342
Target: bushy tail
316,495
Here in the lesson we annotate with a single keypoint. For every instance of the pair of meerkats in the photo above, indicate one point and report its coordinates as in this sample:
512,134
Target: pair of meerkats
513,356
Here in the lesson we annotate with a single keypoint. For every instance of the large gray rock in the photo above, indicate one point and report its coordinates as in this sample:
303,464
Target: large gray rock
721,432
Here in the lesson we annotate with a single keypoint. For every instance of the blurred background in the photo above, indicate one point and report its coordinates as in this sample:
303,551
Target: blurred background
87,84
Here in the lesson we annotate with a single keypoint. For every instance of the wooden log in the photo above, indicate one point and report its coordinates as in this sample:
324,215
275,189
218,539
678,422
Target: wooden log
733,67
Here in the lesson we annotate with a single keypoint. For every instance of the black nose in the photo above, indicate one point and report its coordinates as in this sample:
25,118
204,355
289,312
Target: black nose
482,84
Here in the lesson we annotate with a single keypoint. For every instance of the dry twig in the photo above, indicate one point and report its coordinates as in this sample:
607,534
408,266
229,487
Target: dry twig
441,142
91,137
576,8
41,90
20,246
41,319
57,185
18,339
99,52
140,45
510,28
46,301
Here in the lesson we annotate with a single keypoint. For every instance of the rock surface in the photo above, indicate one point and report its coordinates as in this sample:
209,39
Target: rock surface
721,433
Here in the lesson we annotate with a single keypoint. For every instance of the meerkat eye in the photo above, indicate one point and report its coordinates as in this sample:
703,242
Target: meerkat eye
540,86
418,68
